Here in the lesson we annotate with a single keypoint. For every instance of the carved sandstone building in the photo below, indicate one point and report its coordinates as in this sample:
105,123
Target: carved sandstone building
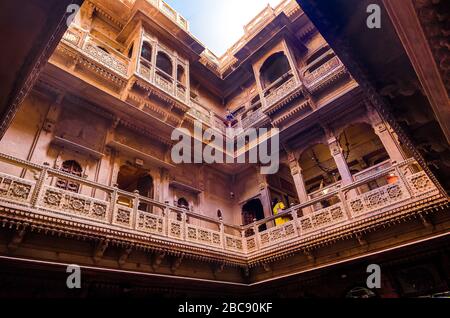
86,175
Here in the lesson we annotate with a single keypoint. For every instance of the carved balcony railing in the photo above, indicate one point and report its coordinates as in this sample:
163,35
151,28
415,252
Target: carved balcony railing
97,51
319,74
162,80
351,204
114,209
198,112
252,119
170,13
280,89
372,170
207,117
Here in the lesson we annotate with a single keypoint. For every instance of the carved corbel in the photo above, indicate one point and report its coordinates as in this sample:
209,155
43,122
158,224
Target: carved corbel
126,89
124,255
176,263
267,267
16,240
218,268
100,250
157,260
425,221
309,255
361,240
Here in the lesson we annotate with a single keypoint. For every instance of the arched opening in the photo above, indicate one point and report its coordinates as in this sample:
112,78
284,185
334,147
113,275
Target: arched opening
132,178
130,51
320,173
183,203
252,210
181,76
164,63
70,167
274,72
363,150
146,53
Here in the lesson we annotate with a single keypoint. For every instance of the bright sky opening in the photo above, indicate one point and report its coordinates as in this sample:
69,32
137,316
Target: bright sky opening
219,23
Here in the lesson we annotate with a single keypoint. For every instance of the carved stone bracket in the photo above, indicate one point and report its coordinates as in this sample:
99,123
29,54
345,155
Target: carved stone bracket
100,250
16,239
176,263
157,260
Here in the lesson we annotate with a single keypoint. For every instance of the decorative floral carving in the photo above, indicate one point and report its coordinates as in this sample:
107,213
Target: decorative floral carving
53,198
123,216
105,58
280,92
15,188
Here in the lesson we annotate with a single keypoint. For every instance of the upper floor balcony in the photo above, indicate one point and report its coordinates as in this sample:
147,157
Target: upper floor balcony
206,116
96,53
130,216
322,69
171,13
280,89
156,65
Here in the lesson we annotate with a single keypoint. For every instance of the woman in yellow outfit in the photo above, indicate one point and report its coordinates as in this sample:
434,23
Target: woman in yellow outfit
278,206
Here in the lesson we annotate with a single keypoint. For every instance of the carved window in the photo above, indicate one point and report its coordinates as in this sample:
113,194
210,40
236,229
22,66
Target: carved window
184,204
274,71
70,167
181,78
146,51
164,63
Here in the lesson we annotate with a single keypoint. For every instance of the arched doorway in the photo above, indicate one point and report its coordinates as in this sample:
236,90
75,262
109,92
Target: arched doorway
251,210
319,172
362,148
130,179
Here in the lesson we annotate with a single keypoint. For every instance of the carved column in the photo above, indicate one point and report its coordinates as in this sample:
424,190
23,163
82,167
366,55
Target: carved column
264,192
164,184
299,182
386,136
115,168
338,156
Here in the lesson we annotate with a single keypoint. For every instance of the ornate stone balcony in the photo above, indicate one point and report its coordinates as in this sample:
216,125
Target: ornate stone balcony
98,54
171,13
252,120
163,81
125,215
207,117
280,90
317,76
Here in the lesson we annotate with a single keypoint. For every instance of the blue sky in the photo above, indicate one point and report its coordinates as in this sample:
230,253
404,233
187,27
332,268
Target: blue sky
219,23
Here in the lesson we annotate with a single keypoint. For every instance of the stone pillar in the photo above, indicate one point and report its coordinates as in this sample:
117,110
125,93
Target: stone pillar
299,182
115,167
389,143
338,156
386,136
264,192
164,185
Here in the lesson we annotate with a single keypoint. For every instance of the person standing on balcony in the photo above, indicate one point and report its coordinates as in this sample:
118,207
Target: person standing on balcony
229,118
278,207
